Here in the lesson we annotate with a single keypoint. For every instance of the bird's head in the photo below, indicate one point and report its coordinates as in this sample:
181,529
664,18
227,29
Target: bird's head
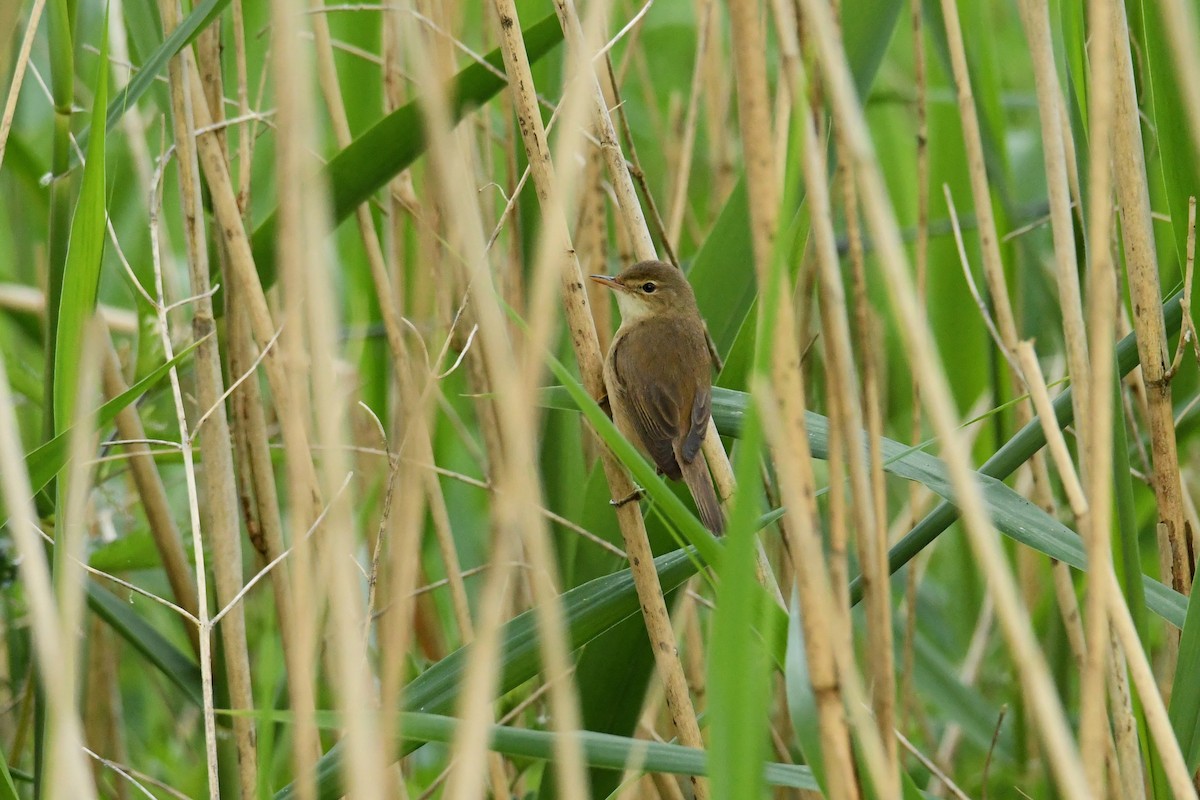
648,289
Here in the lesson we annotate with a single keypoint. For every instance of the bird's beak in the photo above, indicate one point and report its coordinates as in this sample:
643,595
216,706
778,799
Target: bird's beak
607,280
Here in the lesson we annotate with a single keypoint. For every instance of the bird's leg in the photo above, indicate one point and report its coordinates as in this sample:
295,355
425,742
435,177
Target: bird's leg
636,494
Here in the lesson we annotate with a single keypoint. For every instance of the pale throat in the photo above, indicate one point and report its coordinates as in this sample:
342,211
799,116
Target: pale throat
633,308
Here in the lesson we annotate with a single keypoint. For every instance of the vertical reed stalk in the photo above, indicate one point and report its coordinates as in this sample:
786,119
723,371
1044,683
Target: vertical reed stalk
1031,665
1141,265
517,496
784,423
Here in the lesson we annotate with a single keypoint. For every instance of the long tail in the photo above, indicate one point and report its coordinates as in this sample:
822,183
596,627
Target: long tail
695,475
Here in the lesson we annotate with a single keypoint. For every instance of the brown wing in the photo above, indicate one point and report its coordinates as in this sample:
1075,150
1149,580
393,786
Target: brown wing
701,410
651,412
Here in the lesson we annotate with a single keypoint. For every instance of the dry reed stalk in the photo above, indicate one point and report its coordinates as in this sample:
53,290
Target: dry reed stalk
1064,586
220,511
632,217
588,356
1036,22
103,714
189,471
325,570
1130,779
517,494
14,87
405,367
783,412
167,539
289,364
1141,264
219,517
1097,428
677,205
1157,720
1031,666
1004,328
62,734
865,478
866,322
260,496
839,539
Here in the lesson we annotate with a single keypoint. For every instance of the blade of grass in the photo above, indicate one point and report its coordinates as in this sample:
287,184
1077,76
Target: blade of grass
172,662
81,273
600,749
589,610
739,669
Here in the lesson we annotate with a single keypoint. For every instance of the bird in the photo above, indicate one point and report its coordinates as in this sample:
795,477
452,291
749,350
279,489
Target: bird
657,374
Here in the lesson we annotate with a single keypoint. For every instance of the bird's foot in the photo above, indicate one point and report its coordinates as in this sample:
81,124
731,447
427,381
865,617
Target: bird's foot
636,494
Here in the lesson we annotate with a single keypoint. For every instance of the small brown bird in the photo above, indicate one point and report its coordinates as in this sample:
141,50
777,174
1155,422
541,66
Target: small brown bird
657,372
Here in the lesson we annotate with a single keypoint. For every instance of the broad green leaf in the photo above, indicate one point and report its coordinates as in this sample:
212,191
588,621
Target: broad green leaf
173,663
81,274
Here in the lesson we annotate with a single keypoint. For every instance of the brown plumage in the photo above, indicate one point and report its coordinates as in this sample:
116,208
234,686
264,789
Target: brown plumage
657,372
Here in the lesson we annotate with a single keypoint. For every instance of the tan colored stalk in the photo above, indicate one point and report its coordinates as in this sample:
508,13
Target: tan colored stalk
1141,264
1178,775
1064,587
14,88
516,499
220,508
63,731
839,537
1097,426
261,507
327,76
782,404
1130,779
203,617
1063,756
220,519
309,341
103,715
1036,21
631,211
865,478
589,358
676,206
153,494
241,263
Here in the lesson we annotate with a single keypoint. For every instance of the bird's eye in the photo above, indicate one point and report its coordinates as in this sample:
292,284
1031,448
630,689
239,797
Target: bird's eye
648,287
